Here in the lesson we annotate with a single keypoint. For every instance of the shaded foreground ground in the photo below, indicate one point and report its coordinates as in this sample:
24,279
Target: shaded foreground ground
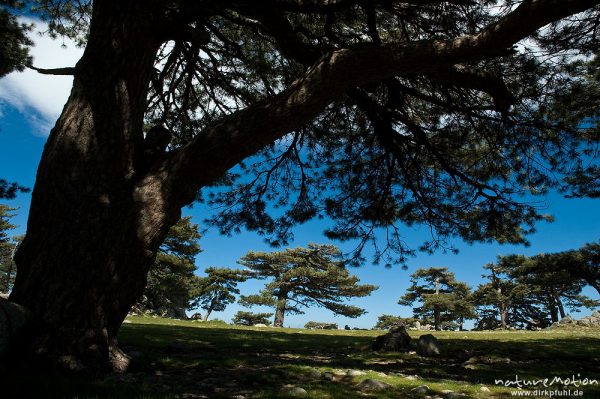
183,359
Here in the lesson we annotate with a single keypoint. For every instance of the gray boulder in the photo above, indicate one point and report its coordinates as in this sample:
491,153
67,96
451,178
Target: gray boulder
295,391
373,385
13,318
397,339
428,346
567,320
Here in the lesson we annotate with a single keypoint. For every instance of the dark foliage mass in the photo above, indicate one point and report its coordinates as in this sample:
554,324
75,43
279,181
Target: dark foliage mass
14,43
462,148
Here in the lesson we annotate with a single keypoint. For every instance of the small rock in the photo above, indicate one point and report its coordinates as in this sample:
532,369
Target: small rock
354,373
428,346
420,389
328,376
295,391
312,373
260,325
397,339
446,391
484,389
455,395
373,385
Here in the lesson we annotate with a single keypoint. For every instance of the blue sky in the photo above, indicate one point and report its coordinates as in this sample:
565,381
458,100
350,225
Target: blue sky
30,103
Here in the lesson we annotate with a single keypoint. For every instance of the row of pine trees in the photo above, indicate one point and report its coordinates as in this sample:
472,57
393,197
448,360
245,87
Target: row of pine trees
519,291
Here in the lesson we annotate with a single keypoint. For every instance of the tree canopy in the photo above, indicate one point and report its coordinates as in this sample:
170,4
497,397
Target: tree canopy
242,318
445,142
301,277
14,43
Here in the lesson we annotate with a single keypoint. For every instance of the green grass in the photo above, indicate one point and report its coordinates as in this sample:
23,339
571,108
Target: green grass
177,359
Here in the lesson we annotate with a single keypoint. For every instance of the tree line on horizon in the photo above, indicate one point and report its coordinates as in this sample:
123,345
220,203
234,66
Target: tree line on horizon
519,291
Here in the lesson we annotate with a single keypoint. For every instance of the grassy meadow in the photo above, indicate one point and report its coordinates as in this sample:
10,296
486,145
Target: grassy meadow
191,359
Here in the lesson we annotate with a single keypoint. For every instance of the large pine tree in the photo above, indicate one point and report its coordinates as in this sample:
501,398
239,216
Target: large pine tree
304,277
386,112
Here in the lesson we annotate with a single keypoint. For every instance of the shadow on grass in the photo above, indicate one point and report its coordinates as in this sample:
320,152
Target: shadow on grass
188,361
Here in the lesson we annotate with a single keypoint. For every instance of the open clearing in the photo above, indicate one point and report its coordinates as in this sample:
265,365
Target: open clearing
188,359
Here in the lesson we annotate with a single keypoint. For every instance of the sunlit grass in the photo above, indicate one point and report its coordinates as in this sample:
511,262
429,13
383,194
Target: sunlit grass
175,358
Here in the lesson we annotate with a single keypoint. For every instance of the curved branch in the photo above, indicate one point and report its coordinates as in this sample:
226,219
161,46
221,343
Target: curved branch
224,144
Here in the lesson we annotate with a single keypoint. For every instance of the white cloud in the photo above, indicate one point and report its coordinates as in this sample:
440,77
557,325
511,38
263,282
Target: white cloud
45,95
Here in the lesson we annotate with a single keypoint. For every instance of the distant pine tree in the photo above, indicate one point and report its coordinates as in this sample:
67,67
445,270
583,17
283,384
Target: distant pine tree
303,277
443,299
217,290
171,281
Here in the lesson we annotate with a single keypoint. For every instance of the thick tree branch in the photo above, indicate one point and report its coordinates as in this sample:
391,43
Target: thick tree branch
54,71
247,131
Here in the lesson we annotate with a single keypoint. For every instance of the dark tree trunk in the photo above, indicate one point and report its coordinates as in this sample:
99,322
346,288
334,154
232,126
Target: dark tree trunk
503,310
437,318
96,217
560,306
210,309
280,309
553,312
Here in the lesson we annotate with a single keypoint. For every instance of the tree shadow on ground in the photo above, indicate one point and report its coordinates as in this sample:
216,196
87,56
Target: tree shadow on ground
190,362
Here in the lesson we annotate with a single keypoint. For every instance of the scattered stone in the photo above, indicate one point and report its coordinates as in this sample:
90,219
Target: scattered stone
328,376
295,391
354,373
411,377
484,389
423,389
428,346
314,374
373,385
455,395
260,325
446,391
397,339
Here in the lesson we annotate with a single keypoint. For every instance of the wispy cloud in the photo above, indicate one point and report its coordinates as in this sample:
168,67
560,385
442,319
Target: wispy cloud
41,97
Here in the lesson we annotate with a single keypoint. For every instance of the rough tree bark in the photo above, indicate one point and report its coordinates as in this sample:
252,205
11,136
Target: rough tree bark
96,218
280,309
99,211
